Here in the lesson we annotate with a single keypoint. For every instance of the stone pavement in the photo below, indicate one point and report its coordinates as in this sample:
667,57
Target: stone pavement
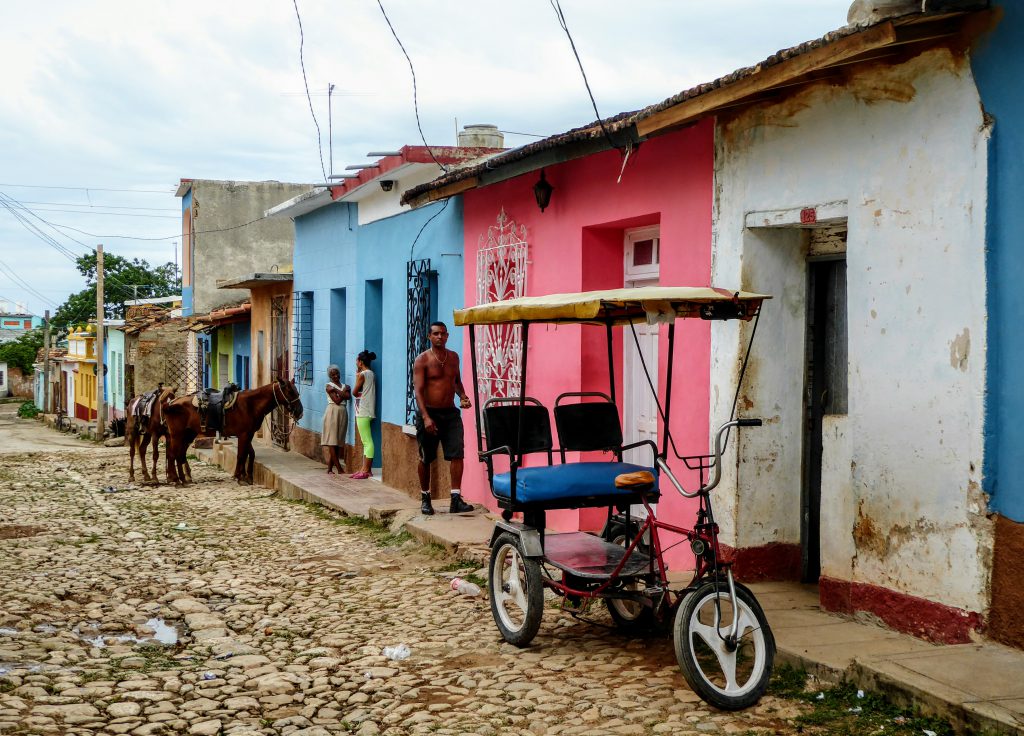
979,687
220,609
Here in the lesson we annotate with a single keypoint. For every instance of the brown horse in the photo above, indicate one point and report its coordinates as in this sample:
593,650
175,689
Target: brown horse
138,434
241,421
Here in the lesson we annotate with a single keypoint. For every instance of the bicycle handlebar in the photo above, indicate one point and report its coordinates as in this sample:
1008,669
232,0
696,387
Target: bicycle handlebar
717,464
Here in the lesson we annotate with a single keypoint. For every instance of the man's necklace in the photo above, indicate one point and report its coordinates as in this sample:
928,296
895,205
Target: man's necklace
442,362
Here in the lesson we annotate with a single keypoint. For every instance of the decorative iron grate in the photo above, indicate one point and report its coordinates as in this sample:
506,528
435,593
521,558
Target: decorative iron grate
501,274
417,322
302,347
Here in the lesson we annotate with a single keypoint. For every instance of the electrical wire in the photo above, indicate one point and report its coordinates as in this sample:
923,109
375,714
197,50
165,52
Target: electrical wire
106,214
415,98
424,226
19,281
89,189
302,63
102,206
557,7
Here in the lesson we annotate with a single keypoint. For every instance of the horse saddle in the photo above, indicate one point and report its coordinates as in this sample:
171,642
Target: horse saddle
213,405
142,409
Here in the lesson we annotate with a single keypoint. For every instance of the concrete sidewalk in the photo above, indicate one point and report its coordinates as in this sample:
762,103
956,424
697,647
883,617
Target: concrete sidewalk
978,687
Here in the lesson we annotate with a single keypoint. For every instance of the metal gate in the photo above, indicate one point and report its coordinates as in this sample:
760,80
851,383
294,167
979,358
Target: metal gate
280,360
417,322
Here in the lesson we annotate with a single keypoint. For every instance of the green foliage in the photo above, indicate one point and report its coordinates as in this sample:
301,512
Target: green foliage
124,279
844,709
22,351
28,410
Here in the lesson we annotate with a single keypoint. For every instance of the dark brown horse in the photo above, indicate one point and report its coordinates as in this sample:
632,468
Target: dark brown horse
140,432
241,421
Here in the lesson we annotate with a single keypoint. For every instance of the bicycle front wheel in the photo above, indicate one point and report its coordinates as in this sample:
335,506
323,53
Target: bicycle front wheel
730,675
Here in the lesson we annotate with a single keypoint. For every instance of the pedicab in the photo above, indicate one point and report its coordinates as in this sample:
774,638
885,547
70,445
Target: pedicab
722,640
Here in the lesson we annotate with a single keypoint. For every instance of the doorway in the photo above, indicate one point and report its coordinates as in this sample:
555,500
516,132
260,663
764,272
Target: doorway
639,406
826,376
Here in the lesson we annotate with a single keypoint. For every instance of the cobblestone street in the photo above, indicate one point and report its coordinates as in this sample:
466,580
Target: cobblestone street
280,615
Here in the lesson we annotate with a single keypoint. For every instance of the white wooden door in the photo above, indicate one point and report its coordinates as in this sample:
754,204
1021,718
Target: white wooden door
640,408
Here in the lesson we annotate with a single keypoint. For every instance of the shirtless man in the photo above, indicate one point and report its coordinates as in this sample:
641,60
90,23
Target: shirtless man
437,380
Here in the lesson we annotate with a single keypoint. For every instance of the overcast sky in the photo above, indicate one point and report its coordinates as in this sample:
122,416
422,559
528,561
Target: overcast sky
128,95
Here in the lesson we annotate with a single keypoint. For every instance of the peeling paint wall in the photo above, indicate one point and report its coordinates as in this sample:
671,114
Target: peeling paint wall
906,148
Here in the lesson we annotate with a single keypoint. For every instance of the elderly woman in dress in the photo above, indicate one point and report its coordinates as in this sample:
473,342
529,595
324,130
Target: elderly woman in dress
335,419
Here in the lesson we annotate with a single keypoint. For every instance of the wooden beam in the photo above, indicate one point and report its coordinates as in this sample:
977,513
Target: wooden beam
448,190
779,74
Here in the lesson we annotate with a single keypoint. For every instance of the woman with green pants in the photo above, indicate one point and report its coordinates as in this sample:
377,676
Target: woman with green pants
365,392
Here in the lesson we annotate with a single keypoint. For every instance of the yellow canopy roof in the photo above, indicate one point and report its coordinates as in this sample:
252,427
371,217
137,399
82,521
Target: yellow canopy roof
620,306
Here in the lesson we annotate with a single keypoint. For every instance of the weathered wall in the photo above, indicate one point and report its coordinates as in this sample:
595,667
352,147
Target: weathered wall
18,384
905,148
151,351
261,334
234,252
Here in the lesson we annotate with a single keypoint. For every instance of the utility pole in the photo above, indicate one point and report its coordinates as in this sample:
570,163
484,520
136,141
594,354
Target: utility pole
330,131
101,403
46,362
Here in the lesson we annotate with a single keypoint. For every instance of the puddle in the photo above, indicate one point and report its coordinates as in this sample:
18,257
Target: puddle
162,631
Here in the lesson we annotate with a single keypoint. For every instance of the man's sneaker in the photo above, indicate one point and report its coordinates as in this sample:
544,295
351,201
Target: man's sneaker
458,506
425,507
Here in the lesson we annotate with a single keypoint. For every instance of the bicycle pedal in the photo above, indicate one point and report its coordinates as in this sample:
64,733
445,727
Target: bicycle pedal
653,591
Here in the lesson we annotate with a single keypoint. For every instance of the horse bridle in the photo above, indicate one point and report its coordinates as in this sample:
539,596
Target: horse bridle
289,404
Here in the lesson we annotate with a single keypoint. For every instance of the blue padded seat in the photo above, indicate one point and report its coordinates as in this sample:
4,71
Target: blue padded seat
548,483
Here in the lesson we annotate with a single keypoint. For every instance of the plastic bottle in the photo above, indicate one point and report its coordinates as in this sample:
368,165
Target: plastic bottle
465,587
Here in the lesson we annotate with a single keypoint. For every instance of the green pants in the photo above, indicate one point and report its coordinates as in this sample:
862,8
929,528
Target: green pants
363,425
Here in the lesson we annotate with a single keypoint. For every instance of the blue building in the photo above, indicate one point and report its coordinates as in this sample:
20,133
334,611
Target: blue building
371,274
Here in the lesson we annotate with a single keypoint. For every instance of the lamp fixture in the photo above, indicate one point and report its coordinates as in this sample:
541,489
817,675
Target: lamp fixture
542,191
387,185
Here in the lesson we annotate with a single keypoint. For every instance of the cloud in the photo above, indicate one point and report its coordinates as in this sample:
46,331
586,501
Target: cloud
135,95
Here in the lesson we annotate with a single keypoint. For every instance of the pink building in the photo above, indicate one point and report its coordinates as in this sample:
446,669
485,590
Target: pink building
652,227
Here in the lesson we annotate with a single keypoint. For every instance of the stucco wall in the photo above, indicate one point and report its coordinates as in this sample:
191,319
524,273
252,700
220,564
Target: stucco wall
334,253
576,244
906,149
235,252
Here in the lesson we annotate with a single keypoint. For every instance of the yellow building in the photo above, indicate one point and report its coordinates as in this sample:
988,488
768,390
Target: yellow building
82,351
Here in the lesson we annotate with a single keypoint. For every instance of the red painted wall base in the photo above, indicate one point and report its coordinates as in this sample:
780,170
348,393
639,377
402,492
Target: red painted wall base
770,562
908,614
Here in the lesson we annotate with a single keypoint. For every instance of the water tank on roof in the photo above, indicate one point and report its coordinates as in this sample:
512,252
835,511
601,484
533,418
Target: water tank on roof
481,136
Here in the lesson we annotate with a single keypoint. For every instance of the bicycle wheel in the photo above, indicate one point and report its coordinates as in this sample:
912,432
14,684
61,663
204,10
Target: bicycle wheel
516,592
630,616
730,676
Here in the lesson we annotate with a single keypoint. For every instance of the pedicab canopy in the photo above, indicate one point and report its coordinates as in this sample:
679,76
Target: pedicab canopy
618,306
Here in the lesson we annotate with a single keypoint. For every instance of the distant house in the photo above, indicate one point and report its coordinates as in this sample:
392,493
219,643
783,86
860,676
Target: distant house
114,359
370,273
270,340
224,235
15,321
80,370
4,390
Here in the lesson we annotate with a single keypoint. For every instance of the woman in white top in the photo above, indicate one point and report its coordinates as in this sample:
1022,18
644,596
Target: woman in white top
335,427
366,402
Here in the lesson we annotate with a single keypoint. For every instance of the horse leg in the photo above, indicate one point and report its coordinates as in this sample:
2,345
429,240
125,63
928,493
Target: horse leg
143,456
172,454
131,458
242,459
251,463
156,456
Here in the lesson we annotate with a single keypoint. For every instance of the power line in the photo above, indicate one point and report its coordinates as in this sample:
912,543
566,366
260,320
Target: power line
19,281
415,99
302,63
105,214
89,189
111,206
557,7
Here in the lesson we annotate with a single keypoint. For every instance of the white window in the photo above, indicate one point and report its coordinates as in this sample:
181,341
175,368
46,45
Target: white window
643,253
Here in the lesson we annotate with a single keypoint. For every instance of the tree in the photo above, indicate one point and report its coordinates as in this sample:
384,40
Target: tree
124,280
22,350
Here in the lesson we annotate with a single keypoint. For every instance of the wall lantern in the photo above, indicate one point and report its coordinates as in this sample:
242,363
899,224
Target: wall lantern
542,191
387,184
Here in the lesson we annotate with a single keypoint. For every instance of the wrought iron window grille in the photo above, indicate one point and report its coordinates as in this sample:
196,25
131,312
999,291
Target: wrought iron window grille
302,337
417,322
